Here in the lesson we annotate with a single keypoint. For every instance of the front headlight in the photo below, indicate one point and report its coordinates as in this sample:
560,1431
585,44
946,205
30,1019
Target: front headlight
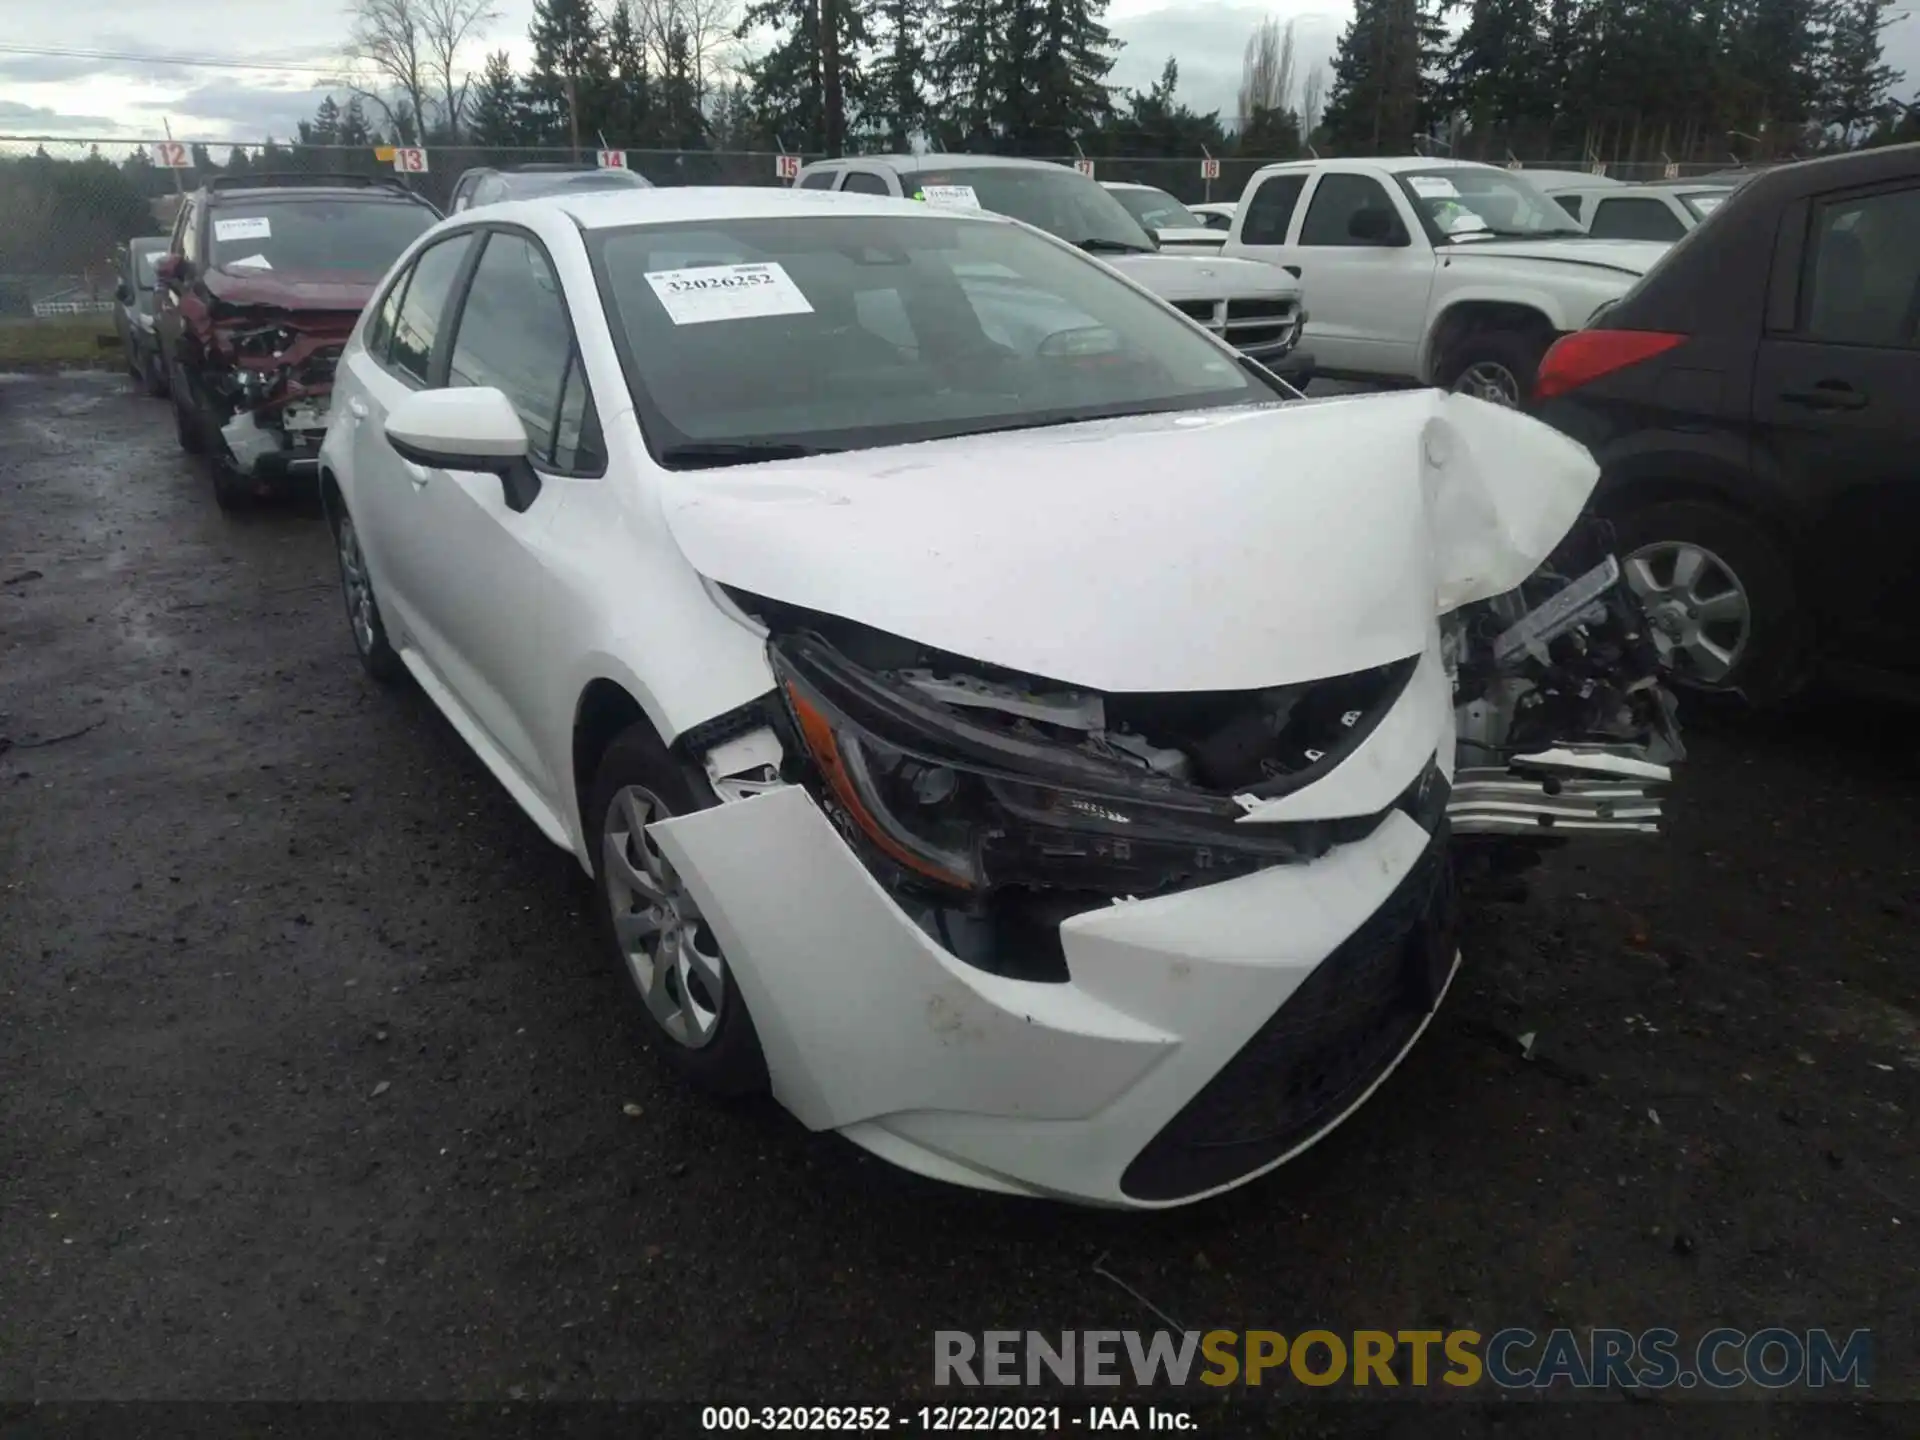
918,812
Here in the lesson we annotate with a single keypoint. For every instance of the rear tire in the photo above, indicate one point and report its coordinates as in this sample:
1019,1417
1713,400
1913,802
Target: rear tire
1497,366
154,380
377,655
1770,649
708,1037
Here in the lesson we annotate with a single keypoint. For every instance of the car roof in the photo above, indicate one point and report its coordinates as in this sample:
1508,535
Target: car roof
1134,185
613,209
379,194
141,243
939,160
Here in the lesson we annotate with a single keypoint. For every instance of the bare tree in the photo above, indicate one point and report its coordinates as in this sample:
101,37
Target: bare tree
448,25
1312,102
387,61
1266,71
404,56
709,26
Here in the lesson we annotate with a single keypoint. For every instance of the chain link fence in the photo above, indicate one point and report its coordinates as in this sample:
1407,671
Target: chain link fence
70,205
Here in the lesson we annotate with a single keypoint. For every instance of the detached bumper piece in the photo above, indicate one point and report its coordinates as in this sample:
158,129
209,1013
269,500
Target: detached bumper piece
1564,728
1583,792
1325,1049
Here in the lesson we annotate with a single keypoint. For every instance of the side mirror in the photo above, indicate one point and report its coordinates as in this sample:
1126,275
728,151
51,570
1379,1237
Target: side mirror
1371,226
470,428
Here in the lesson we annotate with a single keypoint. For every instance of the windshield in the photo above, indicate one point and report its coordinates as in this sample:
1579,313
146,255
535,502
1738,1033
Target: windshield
315,234
850,331
1466,203
1060,201
1703,202
1157,210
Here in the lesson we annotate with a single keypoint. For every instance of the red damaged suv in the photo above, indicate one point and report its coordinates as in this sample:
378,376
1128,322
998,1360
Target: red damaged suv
262,283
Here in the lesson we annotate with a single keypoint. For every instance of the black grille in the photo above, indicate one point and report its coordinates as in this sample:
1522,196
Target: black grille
1259,310
1320,1050
1201,310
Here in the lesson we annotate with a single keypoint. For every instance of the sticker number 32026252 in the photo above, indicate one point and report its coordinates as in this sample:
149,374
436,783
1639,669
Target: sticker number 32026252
727,292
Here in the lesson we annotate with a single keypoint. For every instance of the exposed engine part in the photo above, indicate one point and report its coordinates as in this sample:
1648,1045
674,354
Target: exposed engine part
745,765
248,441
1562,724
1066,708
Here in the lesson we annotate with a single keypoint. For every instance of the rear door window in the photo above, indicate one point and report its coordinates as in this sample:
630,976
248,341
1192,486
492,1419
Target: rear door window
1270,210
865,182
1622,218
1336,200
818,180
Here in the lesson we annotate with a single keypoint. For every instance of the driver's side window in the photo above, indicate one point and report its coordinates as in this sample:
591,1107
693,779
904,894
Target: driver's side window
1345,211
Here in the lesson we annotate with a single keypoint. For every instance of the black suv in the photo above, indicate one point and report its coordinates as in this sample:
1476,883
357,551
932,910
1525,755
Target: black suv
1754,403
488,185
261,284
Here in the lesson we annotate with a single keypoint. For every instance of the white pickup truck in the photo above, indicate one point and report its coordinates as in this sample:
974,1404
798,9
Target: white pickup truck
1431,272
1253,307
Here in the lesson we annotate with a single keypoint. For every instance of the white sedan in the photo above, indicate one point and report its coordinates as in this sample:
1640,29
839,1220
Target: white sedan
1028,754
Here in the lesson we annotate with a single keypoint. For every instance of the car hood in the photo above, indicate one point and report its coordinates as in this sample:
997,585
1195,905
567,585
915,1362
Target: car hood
1298,541
1630,257
1203,277
292,289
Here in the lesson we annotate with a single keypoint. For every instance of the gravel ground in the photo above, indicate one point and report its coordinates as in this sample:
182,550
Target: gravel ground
313,1085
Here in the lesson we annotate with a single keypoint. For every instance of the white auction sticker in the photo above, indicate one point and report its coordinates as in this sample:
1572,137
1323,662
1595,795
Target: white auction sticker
1433,187
959,196
251,227
727,292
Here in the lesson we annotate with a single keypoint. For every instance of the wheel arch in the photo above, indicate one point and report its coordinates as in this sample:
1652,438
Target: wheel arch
603,711
1466,314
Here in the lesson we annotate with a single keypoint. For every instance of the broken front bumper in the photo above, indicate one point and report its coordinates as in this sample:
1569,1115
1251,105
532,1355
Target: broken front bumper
1302,985
272,445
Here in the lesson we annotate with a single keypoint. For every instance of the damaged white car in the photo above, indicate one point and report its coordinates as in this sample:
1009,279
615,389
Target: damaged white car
997,718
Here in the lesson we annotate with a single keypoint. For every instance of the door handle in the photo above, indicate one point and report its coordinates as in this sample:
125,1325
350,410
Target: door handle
1827,395
357,408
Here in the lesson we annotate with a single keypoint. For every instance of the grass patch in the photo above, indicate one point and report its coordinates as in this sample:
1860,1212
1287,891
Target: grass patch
63,340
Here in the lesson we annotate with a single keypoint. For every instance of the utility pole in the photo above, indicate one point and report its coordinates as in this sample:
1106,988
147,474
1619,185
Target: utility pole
835,117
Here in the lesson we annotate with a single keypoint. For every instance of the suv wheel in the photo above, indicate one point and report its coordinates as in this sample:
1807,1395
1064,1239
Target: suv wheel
370,641
187,426
1497,366
653,925
1720,598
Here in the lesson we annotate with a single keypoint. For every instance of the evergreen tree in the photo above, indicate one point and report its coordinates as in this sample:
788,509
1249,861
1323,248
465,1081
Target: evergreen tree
896,75
630,112
793,98
683,125
1383,76
324,128
567,92
496,118
1154,123
355,128
1073,57
966,63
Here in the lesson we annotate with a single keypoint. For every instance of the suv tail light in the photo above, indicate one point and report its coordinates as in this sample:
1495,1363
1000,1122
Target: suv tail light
1586,355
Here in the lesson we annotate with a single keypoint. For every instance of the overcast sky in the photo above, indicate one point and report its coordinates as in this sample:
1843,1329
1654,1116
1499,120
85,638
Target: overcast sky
91,97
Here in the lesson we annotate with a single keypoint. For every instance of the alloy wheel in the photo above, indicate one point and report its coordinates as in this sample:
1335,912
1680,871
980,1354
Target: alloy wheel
668,947
1701,615
358,588
1491,381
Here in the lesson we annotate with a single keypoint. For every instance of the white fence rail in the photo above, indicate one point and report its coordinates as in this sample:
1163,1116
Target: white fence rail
47,309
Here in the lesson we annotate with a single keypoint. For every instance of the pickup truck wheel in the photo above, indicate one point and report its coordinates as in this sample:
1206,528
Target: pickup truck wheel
154,376
1497,366
1720,598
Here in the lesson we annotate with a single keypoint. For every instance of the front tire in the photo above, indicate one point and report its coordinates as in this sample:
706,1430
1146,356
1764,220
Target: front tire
187,425
1720,598
652,926
1497,366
